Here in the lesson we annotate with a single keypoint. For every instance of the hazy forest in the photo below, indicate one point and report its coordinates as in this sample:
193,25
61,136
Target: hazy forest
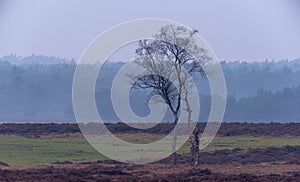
39,89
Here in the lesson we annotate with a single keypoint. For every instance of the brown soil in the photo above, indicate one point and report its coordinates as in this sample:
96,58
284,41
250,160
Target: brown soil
226,129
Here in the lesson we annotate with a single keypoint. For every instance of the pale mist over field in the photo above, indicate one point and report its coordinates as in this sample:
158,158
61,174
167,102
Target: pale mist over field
41,41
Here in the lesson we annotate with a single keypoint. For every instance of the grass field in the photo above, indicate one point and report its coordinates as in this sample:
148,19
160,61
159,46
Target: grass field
16,150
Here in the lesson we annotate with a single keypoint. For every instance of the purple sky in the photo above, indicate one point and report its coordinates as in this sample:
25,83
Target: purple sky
251,30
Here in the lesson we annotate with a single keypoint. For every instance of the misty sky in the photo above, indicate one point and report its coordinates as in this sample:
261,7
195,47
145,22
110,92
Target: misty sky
236,30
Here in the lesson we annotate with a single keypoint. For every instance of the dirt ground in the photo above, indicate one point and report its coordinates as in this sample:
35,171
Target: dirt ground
108,171
226,129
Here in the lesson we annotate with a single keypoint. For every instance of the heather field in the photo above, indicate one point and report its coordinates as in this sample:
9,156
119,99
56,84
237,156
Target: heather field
45,151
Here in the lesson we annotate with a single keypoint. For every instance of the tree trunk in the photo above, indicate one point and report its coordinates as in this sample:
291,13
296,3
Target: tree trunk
195,147
189,111
174,156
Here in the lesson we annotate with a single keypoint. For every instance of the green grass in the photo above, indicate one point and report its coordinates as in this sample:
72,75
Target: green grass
220,143
19,150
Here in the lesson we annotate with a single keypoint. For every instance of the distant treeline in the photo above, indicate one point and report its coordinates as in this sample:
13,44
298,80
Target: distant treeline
39,88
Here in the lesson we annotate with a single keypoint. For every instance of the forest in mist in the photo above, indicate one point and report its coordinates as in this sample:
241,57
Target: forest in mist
39,89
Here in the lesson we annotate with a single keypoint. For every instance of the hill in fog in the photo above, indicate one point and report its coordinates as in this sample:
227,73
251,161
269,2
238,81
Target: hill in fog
38,88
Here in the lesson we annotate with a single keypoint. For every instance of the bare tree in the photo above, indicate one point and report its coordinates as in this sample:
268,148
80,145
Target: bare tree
173,49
